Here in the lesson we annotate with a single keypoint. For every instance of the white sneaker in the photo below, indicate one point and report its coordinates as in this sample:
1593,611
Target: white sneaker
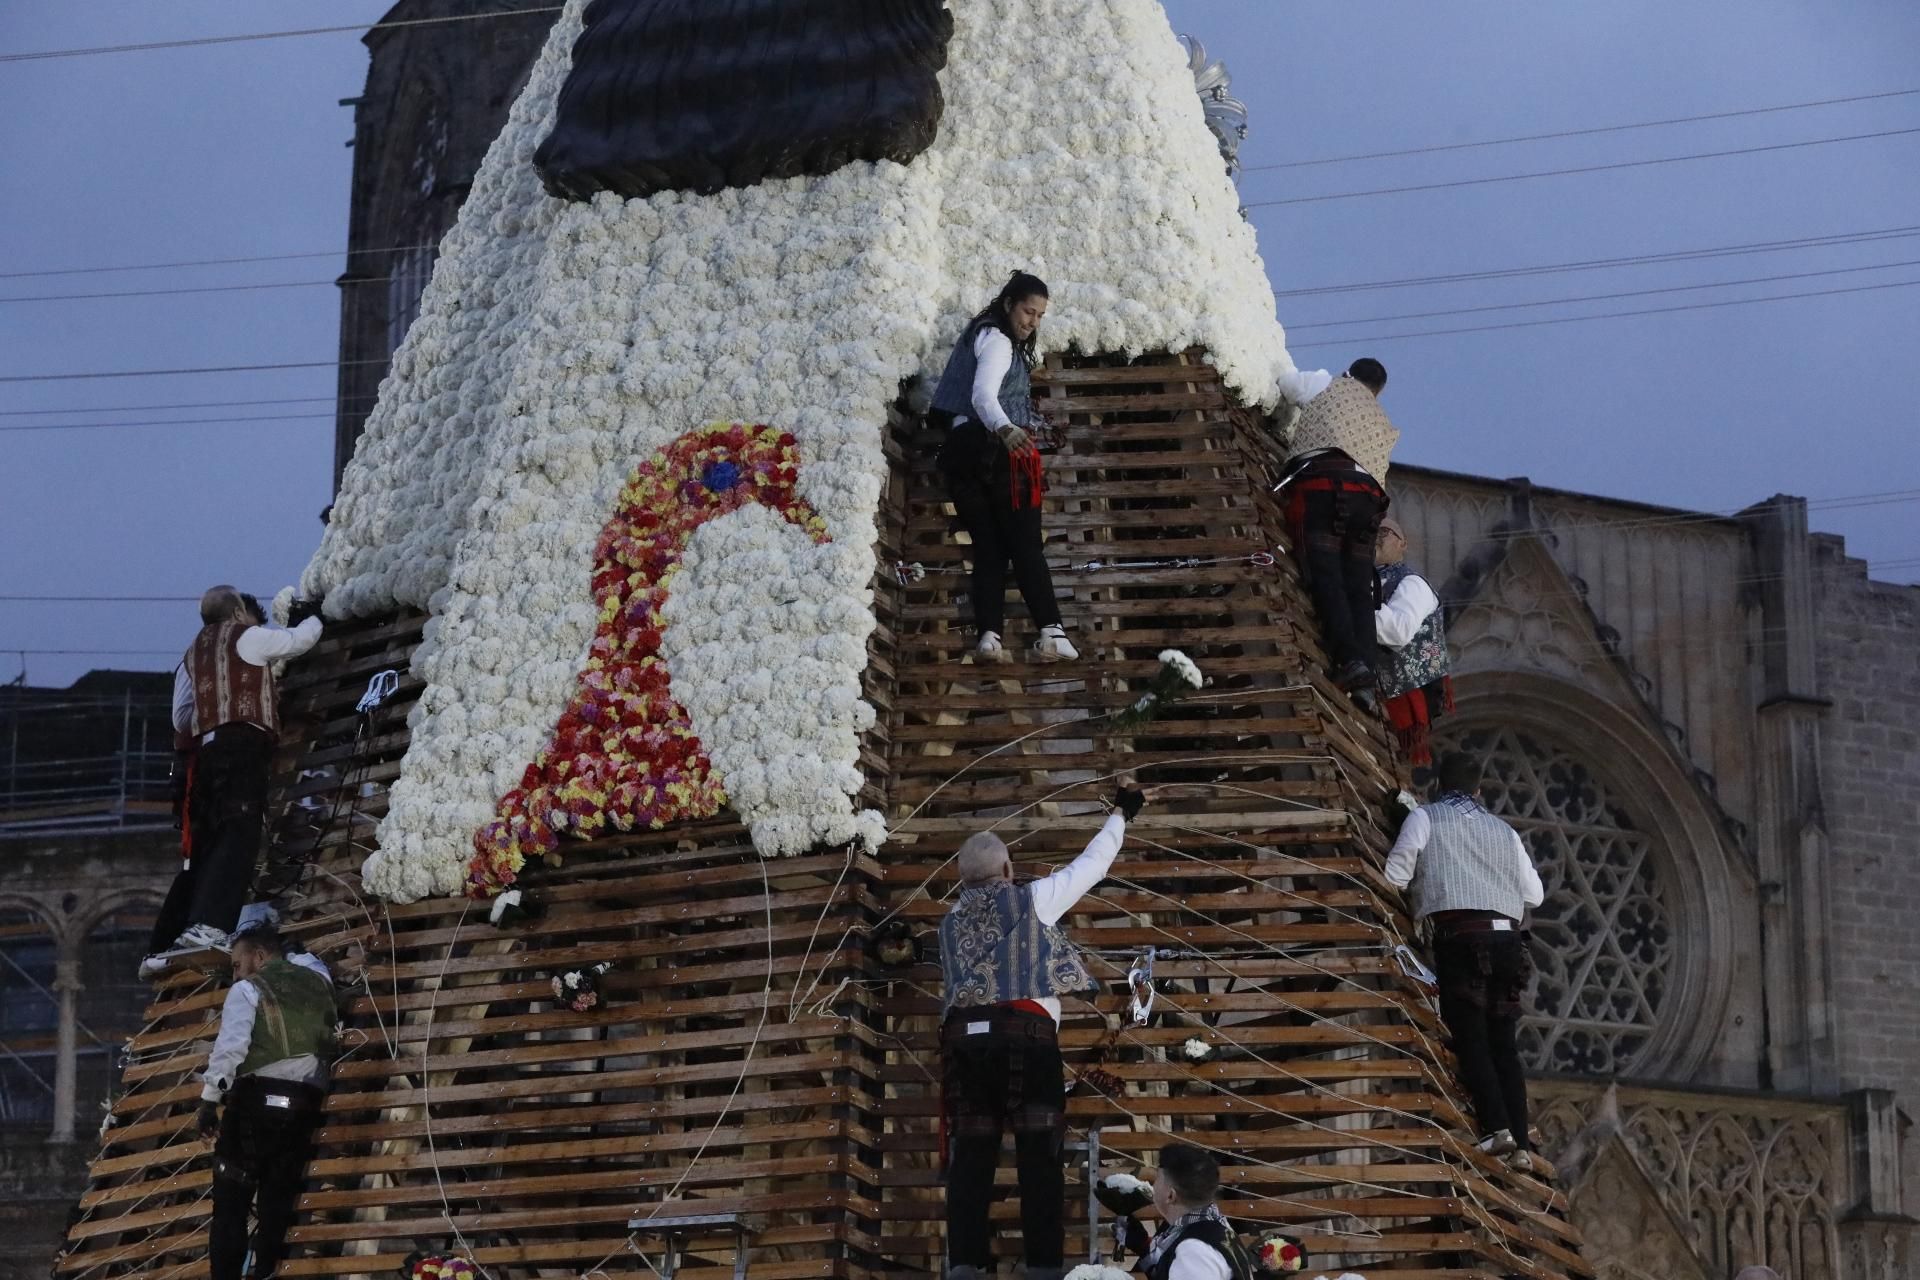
1497,1143
1520,1161
1054,646
203,937
155,965
989,643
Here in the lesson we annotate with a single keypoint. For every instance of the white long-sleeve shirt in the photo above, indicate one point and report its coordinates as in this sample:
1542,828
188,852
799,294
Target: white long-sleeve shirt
992,357
1404,857
1054,895
236,1036
1396,622
1194,1260
258,645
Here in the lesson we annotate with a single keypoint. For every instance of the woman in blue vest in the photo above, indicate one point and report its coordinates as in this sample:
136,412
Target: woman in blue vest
985,403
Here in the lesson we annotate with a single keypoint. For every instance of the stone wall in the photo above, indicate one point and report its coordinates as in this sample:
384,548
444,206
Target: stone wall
60,888
436,96
1869,667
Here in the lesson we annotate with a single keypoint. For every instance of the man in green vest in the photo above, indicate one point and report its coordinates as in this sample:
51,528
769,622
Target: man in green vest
269,1064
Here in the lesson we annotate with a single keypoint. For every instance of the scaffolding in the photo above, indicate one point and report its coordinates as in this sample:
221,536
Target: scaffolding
73,761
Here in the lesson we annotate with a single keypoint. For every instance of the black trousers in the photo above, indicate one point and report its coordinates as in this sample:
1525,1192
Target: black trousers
1333,516
980,484
259,1163
174,911
1009,1077
227,808
1483,979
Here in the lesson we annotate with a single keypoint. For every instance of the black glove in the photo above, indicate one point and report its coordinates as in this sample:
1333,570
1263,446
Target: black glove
300,610
209,1120
1138,1241
1128,800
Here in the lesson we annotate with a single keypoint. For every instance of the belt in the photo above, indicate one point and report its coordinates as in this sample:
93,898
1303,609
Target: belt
1000,1019
231,725
1448,928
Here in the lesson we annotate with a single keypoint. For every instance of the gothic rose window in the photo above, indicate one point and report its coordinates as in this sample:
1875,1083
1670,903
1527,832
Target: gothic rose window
1603,940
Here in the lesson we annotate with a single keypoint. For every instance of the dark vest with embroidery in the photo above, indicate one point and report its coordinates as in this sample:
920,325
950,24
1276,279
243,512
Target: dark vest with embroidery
994,948
1216,1236
227,689
1420,661
954,395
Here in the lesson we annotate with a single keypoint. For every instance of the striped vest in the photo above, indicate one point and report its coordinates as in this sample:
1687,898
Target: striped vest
954,395
1469,863
1423,659
994,948
1348,417
227,689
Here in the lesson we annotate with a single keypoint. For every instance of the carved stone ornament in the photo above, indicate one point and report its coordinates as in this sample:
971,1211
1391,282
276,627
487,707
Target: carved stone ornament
1684,1184
703,95
1226,114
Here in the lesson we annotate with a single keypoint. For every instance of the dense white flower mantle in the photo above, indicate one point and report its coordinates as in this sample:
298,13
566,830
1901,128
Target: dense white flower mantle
559,345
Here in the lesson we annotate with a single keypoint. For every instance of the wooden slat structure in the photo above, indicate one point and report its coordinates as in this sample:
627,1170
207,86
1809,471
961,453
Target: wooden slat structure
755,1060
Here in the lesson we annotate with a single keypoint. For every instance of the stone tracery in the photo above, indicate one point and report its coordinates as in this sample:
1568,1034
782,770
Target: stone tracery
1604,940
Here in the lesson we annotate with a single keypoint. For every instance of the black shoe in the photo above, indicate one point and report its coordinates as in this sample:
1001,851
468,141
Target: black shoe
1354,675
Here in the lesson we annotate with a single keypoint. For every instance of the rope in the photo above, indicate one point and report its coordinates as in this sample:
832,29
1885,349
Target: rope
910,572
766,1006
426,1090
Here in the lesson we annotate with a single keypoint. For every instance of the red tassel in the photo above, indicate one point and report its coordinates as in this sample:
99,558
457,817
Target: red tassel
186,814
1028,477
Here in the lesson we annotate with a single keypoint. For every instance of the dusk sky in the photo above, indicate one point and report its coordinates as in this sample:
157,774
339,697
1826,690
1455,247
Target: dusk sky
236,150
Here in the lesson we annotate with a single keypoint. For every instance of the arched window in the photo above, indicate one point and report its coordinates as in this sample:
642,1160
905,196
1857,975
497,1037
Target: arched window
112,1002
29,1020
1604,939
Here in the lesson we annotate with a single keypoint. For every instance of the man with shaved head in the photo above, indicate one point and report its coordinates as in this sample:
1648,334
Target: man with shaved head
1006,963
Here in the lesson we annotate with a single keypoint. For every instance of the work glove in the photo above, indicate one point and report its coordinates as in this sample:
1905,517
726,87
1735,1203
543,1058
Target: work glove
209,1120
1128,800
300,610
1014,438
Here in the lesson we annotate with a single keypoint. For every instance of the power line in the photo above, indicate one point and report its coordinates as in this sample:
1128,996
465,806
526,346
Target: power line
1302,346
170,422
155,408
117,653
1587,168
212,262
1606,297
1631,260
1605,315
167,373
98,599
1582,133
44,54
1679,255
210,288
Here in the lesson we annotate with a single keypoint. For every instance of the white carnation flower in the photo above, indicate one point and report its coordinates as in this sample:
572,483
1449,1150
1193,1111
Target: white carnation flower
561,344
1183,666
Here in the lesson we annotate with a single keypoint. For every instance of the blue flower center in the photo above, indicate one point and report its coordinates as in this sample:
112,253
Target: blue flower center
719,476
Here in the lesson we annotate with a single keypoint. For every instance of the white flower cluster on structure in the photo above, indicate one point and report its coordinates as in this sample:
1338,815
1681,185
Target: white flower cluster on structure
561,344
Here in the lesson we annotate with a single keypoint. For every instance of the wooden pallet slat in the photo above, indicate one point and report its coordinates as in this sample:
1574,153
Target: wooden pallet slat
752,1055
